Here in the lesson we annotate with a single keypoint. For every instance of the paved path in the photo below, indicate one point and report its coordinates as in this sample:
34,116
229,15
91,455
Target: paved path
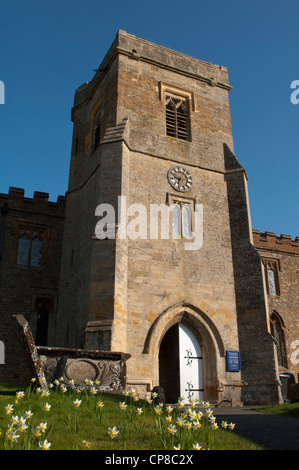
274,432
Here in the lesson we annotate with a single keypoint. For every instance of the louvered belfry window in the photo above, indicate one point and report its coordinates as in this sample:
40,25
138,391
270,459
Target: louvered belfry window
96,137
177,117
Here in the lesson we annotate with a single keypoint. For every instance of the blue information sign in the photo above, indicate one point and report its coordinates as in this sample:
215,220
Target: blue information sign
233,361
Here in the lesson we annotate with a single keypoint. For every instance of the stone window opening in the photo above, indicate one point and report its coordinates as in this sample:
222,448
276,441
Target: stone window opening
272,277
97,132
182,219
30,245
97,137
278,335
177,117
182,216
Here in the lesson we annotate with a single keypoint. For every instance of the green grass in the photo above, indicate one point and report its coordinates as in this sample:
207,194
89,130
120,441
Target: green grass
68,426
287,409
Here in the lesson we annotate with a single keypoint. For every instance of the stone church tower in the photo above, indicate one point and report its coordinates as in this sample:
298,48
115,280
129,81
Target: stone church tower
153,126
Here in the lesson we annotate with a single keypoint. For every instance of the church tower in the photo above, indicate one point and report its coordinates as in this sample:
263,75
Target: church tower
152,139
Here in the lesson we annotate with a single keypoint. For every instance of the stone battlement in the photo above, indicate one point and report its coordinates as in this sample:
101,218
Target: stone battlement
15,199
271,241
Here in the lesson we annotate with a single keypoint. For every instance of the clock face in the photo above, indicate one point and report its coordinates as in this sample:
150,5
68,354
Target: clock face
180,179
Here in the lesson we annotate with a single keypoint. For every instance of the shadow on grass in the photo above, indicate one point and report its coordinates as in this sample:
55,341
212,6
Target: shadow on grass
8,390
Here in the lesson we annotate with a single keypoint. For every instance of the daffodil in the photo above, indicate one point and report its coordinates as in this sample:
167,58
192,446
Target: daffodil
224,424
171,429
19,395
8,409
158,410
215,426
148,399
77,403
93,391
44,445
22,427
36,432
196,446
100,404
42,427
169,409
123,406
22,420
15,419
28,414
178,447
113,432
180,421
231,426
47,407
197,425
13,437
139,411
86,444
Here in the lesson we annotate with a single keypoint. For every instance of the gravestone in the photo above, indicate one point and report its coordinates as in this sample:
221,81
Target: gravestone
30,351
106,368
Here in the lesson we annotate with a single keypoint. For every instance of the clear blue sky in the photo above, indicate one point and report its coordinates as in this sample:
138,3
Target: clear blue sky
48,49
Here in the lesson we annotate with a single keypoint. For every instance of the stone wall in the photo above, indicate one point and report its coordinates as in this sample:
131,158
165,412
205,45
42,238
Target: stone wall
285,305
23,288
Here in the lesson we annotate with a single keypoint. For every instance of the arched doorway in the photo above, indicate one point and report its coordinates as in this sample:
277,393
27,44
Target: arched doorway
42,326
180,364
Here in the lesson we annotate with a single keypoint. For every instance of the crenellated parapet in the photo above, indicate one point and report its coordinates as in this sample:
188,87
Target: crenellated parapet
16,200
271,241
